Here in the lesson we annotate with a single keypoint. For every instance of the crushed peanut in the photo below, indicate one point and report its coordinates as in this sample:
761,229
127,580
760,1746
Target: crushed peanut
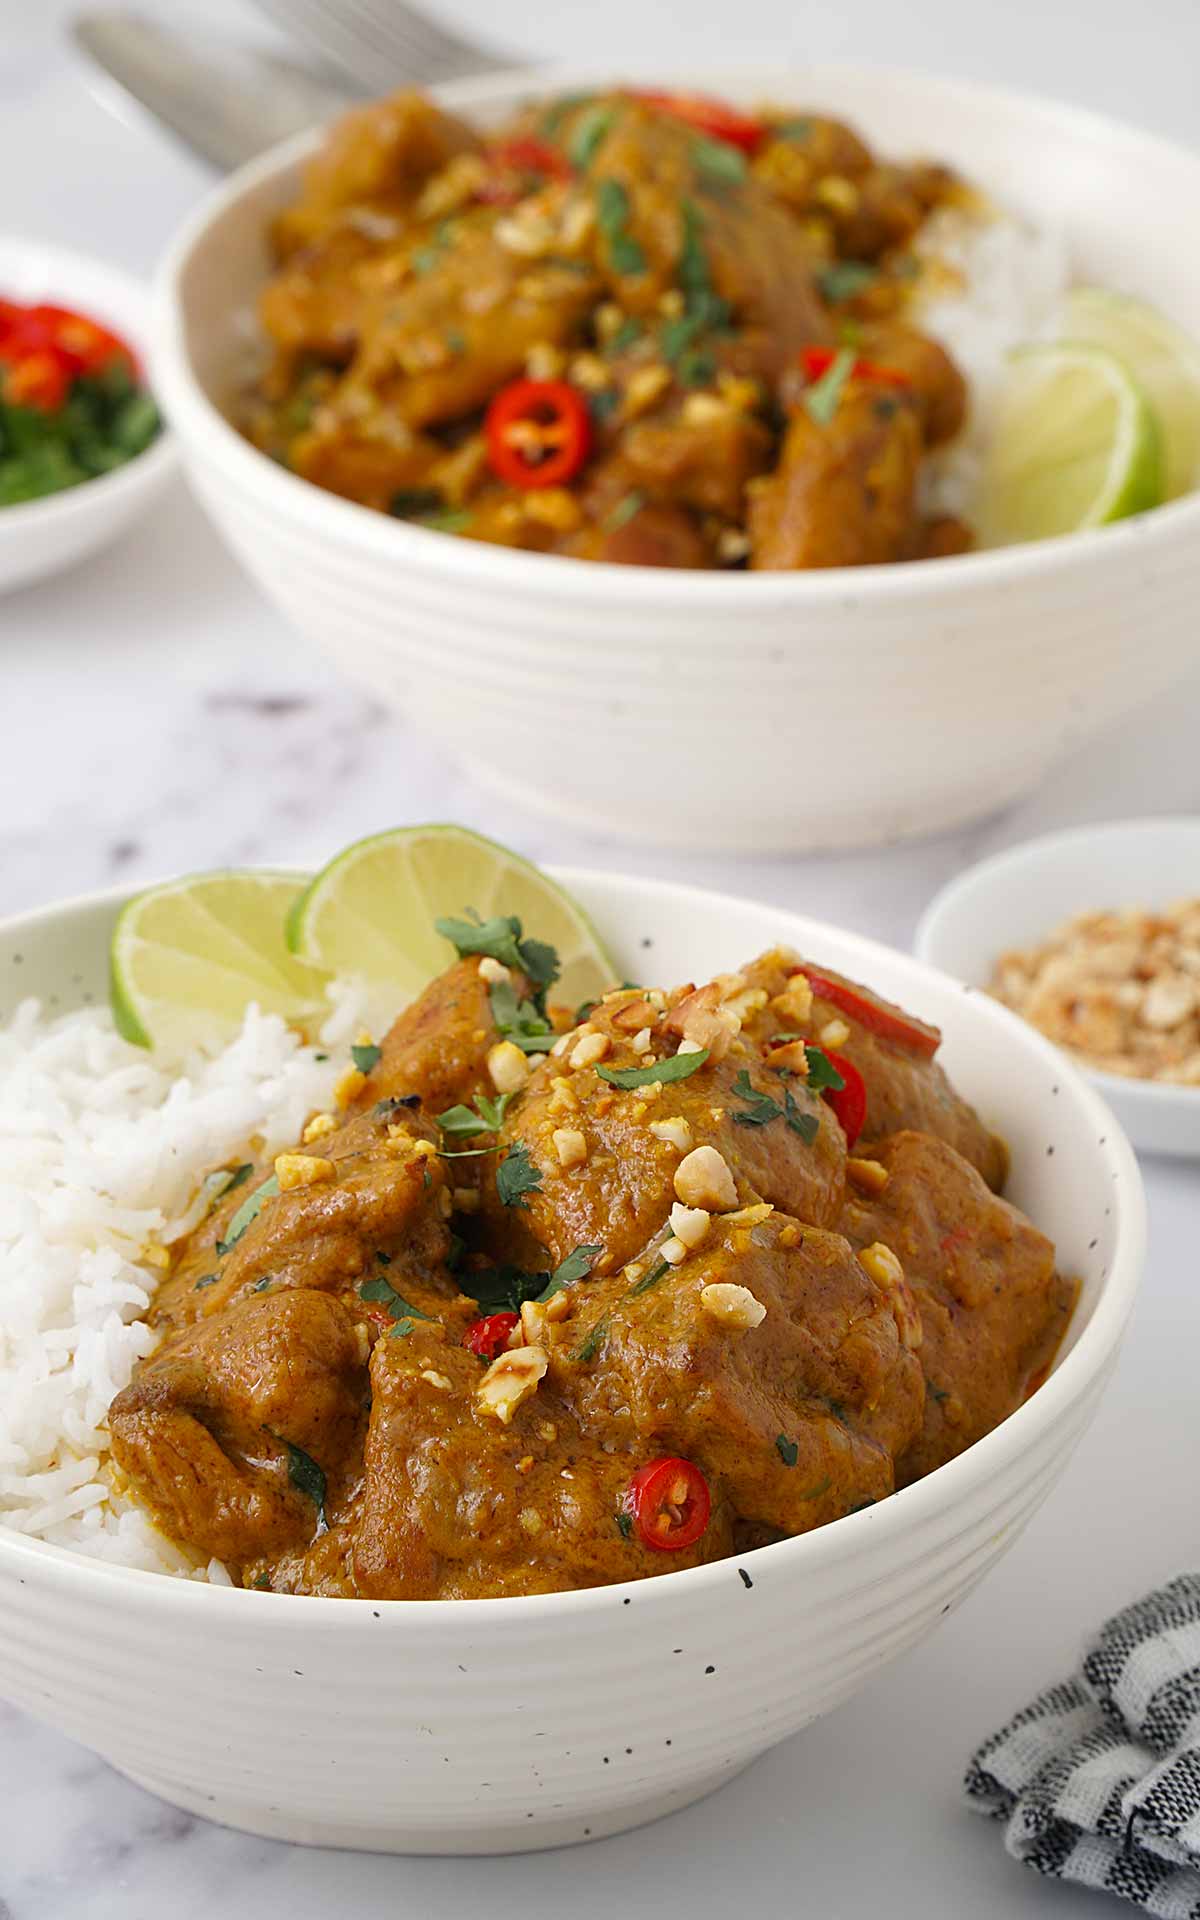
318,1127
690,1224
641,1040
563,1098
1119,988
508,1069
494,971
439,1380
869,1176
302,1170
510,1380
673,1252
703,1179
882,1264
732,1305
530,1519
789,1236
593,1047
834,1033
676,1132
570,1145
157,1257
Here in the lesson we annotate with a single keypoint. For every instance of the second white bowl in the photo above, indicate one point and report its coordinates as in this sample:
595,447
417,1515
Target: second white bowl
763,711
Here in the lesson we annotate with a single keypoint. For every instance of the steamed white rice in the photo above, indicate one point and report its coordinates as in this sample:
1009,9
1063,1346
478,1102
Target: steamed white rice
994,284
102,1155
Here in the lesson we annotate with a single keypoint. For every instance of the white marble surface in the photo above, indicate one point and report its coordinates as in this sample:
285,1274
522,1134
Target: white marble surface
156,716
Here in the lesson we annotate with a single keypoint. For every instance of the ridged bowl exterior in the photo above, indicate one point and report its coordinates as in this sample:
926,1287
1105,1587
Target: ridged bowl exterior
758,711
500,1725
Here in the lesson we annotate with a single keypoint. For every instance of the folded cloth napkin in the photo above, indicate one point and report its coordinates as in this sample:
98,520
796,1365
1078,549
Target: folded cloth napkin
1099,1780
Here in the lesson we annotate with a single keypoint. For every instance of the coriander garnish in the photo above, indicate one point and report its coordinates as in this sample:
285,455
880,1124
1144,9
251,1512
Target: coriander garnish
625,1525
587,134
822,1073
625,256
678,1066
516,1176
502,939
306,1476
649,1280
577,1265
717,160
821,399
844,279
248,1211
787,1450
761,1109
626,509
484,1117
367,1056
590,1346
383,1291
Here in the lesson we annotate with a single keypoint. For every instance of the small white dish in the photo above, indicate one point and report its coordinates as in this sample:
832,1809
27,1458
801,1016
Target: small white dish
1017,897
41,537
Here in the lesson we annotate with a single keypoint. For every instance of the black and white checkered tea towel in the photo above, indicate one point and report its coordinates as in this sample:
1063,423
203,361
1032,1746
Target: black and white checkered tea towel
1099,1780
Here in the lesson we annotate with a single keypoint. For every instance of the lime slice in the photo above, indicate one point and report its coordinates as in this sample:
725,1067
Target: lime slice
188,958
1075,444
370,912
1164,361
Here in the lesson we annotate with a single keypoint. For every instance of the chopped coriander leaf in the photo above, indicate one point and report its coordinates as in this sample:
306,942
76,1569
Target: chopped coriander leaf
402,1327
697,369
518,1020
626,509
588,133
821,1072
382,1290
239,1176
761,1109
456,340
604,404
260,1286
590,1346
584,1010
577,1265
453,520
625,256
717,160
807,1125
625,1525
814,1493
937,1394
627,335
504,1289
248,1211
307,1478
679,1066
366,1057
502,939
465,1121
551,121
649,1280
787,1450
263,1583
792,130
409,503
206,1280
694,275
845,279
821,399
516,1176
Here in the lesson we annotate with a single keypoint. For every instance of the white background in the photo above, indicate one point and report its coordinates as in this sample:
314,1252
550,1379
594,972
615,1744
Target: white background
155,716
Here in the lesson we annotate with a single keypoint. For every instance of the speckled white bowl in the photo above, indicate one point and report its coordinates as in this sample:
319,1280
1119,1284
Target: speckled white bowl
729,710
499,1725
41,537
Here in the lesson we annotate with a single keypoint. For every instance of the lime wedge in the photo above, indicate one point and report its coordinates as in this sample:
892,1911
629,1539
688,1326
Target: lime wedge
188,958
1164,361
1075,444
370,913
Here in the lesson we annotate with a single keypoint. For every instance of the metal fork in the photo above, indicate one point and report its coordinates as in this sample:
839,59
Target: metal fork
380,43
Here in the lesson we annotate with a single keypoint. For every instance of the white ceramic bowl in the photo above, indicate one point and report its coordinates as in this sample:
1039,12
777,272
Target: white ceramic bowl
1017,897
41,537
497,1725
763,711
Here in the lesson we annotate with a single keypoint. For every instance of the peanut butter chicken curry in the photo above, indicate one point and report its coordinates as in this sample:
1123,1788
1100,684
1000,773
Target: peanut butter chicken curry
552,1301
630,327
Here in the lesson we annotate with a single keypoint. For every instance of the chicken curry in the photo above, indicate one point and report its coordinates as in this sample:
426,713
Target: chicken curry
553,1300
631,327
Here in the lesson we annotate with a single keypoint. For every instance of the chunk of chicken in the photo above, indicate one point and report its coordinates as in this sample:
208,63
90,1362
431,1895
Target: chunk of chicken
796,1418
205,1428
993,1310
